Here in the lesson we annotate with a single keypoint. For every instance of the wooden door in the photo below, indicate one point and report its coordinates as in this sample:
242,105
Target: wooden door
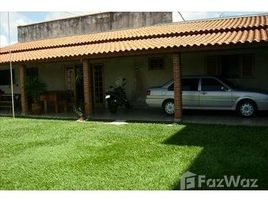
98,89
70,81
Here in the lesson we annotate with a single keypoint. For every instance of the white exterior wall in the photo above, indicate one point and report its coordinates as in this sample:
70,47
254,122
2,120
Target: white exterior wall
53,75
137,73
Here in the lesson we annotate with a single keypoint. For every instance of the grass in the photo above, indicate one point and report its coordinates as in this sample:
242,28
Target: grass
55,154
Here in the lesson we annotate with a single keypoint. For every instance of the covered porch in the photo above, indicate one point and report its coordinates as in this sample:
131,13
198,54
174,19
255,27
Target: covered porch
74,84
77,71
82,83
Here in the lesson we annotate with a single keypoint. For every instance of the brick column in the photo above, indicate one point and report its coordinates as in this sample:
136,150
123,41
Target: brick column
87,88
24,99
177,86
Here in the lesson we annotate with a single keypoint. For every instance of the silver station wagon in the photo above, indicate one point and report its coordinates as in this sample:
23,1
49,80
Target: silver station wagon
208,93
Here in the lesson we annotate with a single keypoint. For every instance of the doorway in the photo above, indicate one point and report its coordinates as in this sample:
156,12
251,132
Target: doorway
74,84
98,90
79,86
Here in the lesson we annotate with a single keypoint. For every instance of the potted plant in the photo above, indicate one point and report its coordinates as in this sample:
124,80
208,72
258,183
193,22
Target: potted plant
34,89
79,110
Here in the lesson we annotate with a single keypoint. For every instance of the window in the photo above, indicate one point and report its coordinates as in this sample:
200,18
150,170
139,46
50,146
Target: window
171,87
156,63
5,77
210,84
247,66
212,63
230,66
190,84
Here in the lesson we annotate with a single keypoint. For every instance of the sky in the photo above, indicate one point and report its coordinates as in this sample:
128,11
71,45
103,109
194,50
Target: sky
24,18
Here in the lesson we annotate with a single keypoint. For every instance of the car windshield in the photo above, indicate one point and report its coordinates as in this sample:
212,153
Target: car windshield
167,83
229,83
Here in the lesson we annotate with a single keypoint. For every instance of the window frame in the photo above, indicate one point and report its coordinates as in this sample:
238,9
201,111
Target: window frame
151,68
241,64
8,72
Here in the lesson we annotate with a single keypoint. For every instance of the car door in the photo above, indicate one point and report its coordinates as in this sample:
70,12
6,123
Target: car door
214,94
190,93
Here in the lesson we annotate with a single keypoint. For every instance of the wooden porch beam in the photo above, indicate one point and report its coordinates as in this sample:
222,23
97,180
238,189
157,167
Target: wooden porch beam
24,99
176,58
87,88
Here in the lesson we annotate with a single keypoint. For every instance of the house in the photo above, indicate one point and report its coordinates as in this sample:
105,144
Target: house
234,47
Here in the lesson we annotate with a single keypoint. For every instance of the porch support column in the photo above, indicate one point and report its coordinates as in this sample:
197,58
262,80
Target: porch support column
176,58
24,99
87,88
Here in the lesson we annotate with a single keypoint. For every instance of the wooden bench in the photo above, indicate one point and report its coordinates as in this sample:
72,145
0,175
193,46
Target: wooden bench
56,98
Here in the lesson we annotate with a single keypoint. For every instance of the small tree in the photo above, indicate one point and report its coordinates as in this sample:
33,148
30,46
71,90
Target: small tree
35,88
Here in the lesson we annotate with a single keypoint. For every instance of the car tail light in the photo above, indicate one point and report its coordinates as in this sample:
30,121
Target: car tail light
148,92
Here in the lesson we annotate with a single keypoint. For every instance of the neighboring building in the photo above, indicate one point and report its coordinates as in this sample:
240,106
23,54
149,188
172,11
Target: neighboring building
235,48
94,23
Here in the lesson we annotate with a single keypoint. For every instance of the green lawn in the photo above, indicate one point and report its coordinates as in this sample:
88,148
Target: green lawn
55,154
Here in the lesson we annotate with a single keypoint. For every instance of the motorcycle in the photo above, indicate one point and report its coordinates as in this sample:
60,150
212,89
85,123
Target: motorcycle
117,97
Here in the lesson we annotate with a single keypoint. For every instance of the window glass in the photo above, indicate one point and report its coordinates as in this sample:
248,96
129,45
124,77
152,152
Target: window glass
156,63
5,77
209,84
247,67
213,65
190,84
229,83
230,66
171,87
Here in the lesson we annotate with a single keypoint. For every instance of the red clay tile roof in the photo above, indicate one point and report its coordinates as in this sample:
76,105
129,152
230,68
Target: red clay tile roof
183,34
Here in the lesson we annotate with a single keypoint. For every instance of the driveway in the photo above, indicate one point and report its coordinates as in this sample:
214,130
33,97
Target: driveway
189,116
224,117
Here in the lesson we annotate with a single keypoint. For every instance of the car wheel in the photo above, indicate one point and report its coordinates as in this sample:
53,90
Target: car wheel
169,107
247,108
